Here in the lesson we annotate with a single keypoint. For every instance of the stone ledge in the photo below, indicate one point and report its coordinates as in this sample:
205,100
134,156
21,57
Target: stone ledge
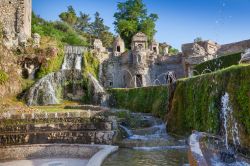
96,154
100,156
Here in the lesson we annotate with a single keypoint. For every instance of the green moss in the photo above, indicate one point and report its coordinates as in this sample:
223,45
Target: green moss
196,103
91,64
3,77
53,64
218,63
147,99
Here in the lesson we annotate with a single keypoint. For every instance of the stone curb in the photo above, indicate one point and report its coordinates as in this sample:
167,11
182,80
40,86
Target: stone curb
101,155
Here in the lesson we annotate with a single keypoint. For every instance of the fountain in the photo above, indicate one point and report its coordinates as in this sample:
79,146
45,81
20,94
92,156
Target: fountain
145,142
50,89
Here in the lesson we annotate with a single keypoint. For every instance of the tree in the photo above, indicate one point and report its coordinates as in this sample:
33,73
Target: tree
101,31
198,39
83,22
131,18
69,17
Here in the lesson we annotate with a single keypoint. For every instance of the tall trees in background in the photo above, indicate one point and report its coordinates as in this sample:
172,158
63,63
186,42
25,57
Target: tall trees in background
131,18
83,24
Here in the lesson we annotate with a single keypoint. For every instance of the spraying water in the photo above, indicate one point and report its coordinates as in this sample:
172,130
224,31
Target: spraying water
229,123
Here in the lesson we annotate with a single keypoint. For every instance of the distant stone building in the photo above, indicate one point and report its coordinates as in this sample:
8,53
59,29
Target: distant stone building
15,18
201,51
118,46
140,66
98,46
196,53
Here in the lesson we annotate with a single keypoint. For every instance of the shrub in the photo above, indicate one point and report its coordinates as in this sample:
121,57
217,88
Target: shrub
218,63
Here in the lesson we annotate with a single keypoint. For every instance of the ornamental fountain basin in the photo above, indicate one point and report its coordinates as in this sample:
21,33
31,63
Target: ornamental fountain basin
55,154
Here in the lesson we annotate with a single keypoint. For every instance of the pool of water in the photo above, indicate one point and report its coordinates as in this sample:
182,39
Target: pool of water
132,157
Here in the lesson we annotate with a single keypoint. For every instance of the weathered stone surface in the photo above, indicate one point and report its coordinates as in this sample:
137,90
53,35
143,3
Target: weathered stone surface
245,57
98,46
41,128
15,17
36,40
118,46
142,66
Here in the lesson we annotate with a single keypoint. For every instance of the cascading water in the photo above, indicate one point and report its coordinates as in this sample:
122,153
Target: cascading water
73,57
100,95
147,143
230,125
46,90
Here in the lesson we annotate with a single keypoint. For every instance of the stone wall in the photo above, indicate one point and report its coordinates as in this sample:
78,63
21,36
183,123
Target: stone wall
42,128
47,151
121,71
235,47
15,17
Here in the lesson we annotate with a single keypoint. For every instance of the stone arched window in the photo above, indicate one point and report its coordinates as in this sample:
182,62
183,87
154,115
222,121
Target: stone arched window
118,49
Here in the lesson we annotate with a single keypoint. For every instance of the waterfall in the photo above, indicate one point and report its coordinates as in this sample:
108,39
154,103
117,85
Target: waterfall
100,95
45,91
230,125
128,132
73,57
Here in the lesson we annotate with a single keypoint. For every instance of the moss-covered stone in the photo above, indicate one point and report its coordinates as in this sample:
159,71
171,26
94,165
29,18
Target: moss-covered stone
196,103
147,99
218,63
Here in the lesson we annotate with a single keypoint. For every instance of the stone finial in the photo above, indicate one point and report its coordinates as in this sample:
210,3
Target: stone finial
36,40
98,46
245,57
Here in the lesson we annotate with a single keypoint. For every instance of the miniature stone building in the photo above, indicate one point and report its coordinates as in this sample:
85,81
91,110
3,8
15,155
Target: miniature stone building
196,53
141,66
98,46
118,46
15,17
154,47
139,41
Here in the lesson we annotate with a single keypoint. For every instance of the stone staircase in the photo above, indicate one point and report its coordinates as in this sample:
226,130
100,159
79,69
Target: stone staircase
45,128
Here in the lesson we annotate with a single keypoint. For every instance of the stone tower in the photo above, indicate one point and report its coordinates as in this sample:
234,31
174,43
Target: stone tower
119,46
154,47
139,41
15,18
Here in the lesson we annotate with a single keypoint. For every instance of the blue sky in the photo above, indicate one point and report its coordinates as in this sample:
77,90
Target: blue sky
180,21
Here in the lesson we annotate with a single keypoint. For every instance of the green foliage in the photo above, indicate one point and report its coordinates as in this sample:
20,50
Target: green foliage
69,16
196,103
218,63
131,18
52,65
198,39
3,77
60,31
173,51
83,22
147,99
101,31
91,64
